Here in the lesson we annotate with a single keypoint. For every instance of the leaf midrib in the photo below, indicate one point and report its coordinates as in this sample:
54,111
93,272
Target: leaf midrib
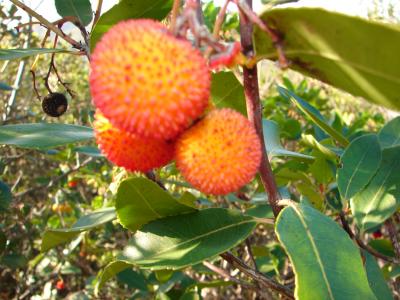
316,252
145,200
354,173
199,237
369,207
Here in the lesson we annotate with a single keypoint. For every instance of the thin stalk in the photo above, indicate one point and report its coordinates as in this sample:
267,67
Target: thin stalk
254,111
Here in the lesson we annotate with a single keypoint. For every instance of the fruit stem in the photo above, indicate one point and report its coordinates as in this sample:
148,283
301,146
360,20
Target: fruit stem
254,111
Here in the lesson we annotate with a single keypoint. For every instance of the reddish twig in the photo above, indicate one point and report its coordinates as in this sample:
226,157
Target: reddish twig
225,274
245,8
47,24
257,276
250,252
394,237
97,13
254,112
361,244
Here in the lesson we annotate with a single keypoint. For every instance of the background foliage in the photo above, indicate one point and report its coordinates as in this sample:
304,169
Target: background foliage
68,215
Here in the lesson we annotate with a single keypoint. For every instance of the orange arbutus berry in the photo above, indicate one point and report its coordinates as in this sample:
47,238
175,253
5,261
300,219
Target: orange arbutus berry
148,82
219,154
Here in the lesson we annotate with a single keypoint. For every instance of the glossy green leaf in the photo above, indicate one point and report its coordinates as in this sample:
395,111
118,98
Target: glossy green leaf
273,145
134,280
5,196
89,151
55,237
344,51
43,135
110,271
140,200
77,8
227,91
375,278
5,87
381,198
383,246
359,163
129,9
180,241
10,54
311,112
389,135
326,262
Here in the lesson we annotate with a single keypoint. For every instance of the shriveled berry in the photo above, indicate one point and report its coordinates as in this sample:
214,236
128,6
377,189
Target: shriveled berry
55,104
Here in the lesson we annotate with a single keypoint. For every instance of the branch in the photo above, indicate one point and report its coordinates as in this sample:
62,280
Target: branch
55,180
174,14
257,276
97,14
47,24
225,274
246,9
362,245
391,228
254,112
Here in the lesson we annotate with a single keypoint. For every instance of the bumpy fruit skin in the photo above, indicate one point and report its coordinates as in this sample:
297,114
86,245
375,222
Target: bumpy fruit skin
219,154
133,152
146,81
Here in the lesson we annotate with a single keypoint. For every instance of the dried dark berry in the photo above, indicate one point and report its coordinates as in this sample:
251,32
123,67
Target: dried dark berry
55,104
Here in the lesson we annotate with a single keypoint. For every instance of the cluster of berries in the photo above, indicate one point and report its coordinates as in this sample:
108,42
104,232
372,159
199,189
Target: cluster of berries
152,93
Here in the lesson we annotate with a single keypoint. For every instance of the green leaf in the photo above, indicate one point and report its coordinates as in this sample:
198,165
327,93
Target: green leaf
38,135
9,54
375,278
344,51
326,262
140,200
5,87
133,279
227,91
55,237
381,198
383,246
5,196
89,151
389,136
194,295
129,9
360,161
110,271
184,240
14,261
311,112
273,145
312,195
77,8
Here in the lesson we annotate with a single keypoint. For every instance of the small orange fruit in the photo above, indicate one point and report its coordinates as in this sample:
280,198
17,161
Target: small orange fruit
219,154
133,152
148,82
